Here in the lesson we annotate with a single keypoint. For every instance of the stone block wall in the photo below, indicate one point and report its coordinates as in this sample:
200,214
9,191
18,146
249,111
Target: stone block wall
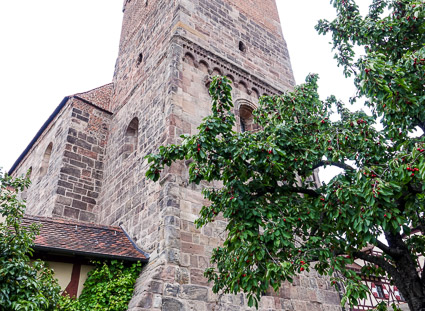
81,173
41,195
67,183
144,41
219,26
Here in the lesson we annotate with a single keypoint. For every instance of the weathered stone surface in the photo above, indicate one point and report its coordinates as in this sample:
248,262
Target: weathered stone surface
171,304
172,290
194,292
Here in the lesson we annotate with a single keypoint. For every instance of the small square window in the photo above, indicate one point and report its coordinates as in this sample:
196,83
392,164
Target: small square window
380,291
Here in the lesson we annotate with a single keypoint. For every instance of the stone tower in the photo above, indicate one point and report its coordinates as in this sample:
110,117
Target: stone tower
95,169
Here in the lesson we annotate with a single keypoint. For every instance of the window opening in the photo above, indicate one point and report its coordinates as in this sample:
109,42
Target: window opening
243,126
130,138
242,46
246,119
139,59
380,291
46,159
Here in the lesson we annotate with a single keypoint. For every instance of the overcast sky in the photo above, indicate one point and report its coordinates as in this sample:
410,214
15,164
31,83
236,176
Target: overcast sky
53,48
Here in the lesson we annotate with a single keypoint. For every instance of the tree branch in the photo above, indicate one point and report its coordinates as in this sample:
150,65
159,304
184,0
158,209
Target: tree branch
310,192
414,189
393,252
379,261
337,164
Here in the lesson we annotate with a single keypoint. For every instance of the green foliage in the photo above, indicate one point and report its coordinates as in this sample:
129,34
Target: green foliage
24,285
279,220
109,287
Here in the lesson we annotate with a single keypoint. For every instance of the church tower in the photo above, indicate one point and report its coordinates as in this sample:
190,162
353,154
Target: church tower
169,49
89,161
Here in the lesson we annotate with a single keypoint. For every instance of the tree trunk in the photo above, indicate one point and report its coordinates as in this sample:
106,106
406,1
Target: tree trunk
414,293
408,279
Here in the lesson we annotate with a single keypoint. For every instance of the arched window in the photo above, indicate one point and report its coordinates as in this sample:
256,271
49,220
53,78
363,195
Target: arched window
46,159
246,119
130,139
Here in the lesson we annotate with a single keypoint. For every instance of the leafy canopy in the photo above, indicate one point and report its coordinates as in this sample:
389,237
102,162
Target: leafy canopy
279,219
24,284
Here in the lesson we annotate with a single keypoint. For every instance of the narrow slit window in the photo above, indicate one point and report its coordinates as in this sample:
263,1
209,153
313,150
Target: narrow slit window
242,46
139,59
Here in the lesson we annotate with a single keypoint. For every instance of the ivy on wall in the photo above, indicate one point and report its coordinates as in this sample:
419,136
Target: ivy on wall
109,287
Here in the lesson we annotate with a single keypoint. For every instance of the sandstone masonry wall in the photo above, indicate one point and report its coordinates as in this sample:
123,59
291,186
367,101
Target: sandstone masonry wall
81,173
68,183
219,26
41,194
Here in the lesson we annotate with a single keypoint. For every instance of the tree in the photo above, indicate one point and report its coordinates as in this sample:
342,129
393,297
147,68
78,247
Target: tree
24,284
279,220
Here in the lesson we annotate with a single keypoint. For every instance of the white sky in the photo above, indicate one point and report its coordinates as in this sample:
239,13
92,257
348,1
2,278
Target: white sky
53,48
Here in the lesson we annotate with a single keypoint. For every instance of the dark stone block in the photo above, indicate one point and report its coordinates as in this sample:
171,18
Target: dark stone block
71,213
80,191
89,200
194,292
88,161
71,171
79,142
77,163
65,184
82,118
87,216
80,205
73,195
72,155
72,132
172,290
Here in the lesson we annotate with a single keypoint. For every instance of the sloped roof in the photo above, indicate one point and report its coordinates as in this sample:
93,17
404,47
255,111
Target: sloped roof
100,97
84,239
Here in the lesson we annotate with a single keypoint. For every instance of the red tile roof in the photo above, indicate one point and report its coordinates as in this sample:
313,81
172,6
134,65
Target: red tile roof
100,97
84,239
